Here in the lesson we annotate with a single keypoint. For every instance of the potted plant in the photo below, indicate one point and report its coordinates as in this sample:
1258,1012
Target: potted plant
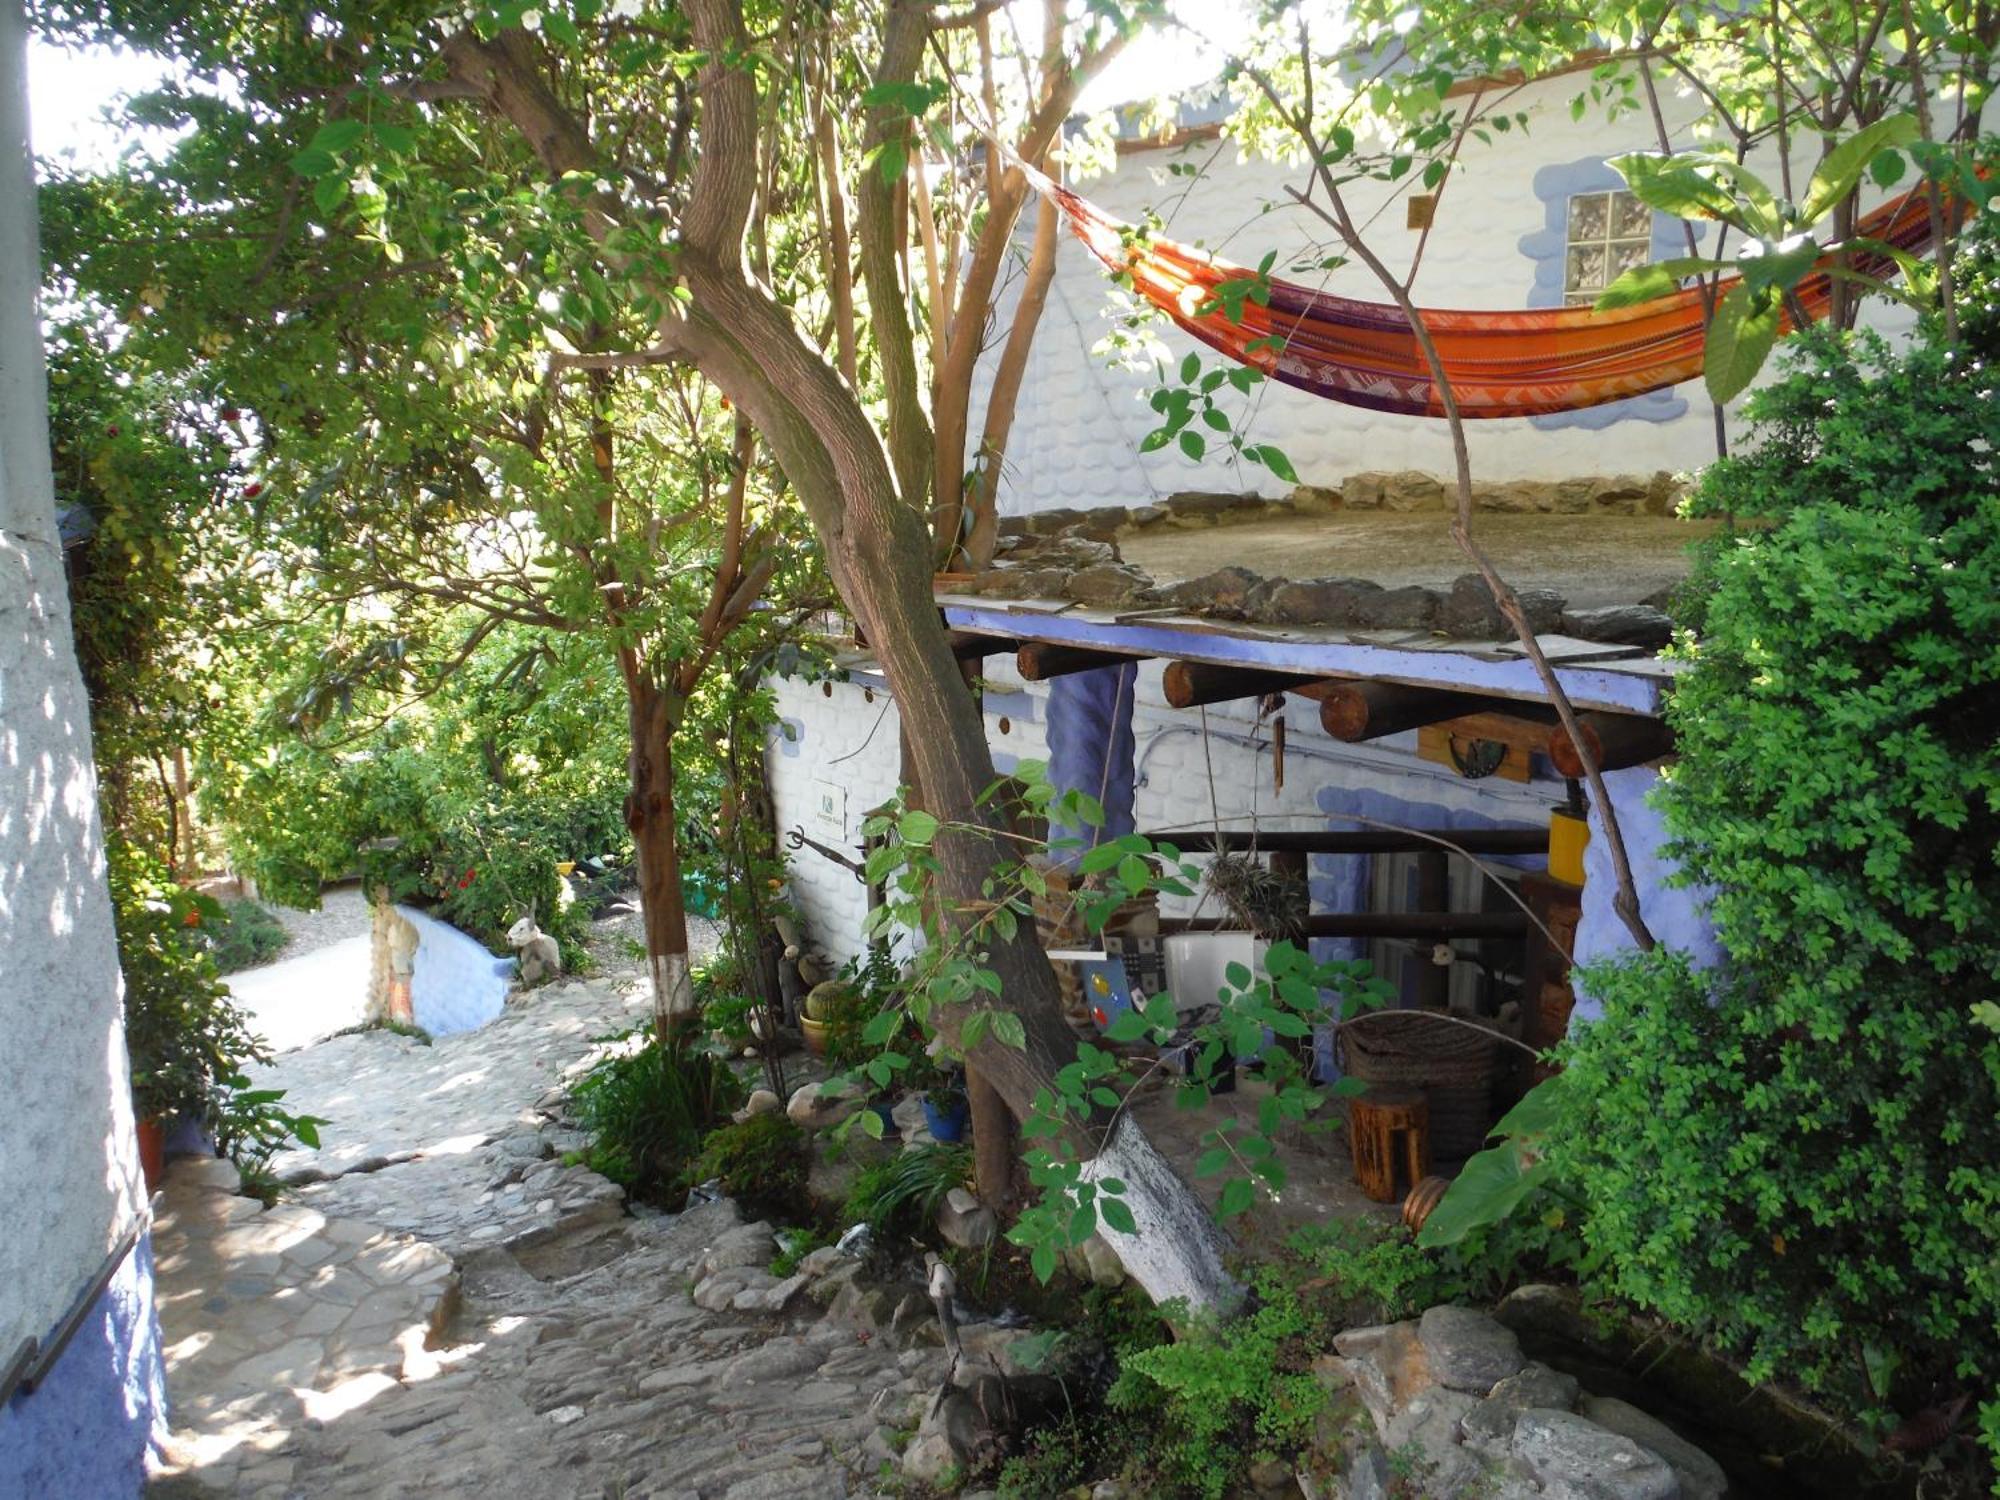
830,1009
946,1109
187,1040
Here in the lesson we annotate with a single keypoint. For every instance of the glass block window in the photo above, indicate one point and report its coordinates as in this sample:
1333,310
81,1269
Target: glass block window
1608,234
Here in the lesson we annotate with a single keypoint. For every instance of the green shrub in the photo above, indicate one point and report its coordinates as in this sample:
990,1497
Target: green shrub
646,1111
761,1163
1798,1154
901,1195
245,936
187,1040
1227,1394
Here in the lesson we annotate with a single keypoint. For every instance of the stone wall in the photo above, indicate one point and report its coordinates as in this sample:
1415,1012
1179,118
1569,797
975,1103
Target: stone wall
1073,554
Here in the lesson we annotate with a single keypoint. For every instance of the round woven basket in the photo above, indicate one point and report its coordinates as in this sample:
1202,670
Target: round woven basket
1453,1064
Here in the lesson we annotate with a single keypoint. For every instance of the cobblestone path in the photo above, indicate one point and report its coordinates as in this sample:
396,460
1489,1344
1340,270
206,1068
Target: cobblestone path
442,1308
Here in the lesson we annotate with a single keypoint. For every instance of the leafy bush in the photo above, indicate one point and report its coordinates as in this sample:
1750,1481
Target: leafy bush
646,1111
1227,1394
761,1163
902,1194
187,1040
244,936
1799,1154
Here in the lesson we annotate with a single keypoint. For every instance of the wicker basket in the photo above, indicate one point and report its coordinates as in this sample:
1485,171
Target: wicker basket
1452,1063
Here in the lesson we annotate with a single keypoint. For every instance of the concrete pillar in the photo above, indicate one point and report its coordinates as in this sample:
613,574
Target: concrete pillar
1090,749
69,1158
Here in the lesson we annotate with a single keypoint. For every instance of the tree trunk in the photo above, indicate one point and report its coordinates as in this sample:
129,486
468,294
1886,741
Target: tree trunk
649,814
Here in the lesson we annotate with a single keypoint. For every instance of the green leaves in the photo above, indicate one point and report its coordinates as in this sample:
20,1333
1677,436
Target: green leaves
1657,278
1839,172
1739,339
1688,186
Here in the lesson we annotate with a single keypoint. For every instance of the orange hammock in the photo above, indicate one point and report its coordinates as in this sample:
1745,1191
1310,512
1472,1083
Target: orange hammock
1501,364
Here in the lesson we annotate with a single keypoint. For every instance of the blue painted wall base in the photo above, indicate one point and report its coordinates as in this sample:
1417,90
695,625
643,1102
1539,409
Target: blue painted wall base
84,1433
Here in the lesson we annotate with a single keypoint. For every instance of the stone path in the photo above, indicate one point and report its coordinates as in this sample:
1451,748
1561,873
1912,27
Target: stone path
444,1308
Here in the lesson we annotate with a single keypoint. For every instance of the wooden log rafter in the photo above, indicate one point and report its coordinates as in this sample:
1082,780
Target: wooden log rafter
1617,741
1190,684
1357,840
1400,924
1038,661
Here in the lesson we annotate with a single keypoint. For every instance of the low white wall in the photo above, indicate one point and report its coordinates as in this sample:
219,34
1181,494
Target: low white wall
838,745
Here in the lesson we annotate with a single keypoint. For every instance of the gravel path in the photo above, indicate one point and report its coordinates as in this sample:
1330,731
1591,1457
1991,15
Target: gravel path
343,913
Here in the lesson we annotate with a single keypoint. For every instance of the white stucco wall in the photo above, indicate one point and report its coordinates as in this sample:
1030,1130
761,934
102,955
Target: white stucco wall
69,1170
840,740
1079,422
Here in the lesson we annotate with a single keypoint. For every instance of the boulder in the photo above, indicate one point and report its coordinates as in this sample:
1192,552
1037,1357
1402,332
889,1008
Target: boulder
760,1102
1102,1264
1411,607
1227,590
1468,611
1314,499
1206,505
1313,601
1109,585
1148,515
745,1245
1701,1477
816,1106
1489,1426
1408,490
966,1222
1575,1459
1467,1350
1620,625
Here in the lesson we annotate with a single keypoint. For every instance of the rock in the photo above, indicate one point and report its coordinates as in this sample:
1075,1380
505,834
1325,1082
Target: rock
1544,609
1207,505
1148,515
1226,590
1109,584
1701,1477
1620,625
717,1293
1312,601
1489,1427
1387,1366
1427,1427
1367,1475
1270,1477
818,1106
1409,490
1467,1350
820,1261
1575,1459
966,1222
1409,608
1101,1263
1049,522
760,1102
1110,1489
1468,611
745,1245
1314,499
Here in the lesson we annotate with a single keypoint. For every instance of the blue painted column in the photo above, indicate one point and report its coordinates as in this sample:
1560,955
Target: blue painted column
1090,749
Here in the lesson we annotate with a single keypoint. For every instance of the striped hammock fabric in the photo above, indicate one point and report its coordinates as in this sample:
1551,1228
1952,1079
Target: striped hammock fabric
1501,364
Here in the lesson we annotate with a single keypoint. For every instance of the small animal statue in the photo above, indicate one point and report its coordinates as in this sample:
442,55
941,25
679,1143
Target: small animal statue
540,957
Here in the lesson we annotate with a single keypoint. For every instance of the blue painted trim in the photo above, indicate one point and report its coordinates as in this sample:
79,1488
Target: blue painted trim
1548,247
85,1430
1588,687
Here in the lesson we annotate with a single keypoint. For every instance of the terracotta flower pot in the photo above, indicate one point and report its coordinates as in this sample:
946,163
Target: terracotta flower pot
816,1034
153,1153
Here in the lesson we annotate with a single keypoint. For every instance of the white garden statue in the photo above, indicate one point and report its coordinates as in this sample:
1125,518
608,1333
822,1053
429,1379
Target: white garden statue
541,958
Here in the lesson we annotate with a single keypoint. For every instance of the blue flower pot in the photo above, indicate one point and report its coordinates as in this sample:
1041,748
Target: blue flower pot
947,1125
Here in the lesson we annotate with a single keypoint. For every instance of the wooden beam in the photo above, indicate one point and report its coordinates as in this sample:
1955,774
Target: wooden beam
1357,711
1190,684
1038,661
1357,840
968,645
1616,741
1401,924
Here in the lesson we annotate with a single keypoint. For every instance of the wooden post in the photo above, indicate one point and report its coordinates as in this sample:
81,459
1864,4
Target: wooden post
1038,661
1433,894
1190,684
1616,741
1356,711
994,1144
